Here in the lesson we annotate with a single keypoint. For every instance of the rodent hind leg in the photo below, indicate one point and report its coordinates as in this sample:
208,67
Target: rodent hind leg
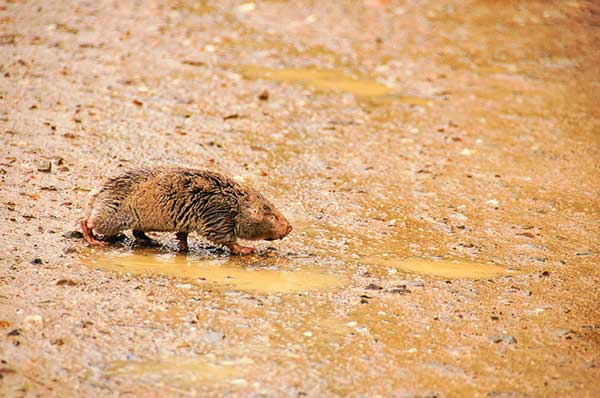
89,235
143,240
182,244
237,249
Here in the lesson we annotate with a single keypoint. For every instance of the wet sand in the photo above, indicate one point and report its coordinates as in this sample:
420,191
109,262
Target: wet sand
438,160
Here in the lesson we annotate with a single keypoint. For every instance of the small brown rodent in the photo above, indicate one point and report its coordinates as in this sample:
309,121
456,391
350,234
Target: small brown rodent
182,200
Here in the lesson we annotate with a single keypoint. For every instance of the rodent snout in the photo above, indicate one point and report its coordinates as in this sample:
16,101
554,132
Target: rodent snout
285,232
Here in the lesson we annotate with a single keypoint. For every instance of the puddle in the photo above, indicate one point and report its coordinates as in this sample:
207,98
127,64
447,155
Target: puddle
443,268
336,81
180,371
271,275
321,80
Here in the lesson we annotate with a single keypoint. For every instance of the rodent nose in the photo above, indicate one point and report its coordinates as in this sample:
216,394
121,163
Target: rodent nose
289,229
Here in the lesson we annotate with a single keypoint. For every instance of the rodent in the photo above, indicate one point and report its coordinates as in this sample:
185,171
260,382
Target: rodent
182,200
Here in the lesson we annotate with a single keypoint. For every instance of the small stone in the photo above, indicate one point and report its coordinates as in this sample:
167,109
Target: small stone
66,282
526,234
37,261
502,339
307,334
567,334
45,166
14,332
373,286
33,318
399,290
264,95
72,235
57,342
85,324
183,286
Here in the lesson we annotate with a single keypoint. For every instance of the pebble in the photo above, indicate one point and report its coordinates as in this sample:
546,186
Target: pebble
213,336
66,282
72,235
45,166
33,318
503,339
264,95
399,290
183,286
567,334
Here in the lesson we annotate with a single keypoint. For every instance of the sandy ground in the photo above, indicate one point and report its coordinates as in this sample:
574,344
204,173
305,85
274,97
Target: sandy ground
464,130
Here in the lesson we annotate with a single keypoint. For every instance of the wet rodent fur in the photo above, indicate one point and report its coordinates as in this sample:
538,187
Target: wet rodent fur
183,200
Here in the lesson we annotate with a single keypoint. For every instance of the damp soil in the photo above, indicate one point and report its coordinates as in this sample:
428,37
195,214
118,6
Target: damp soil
438,161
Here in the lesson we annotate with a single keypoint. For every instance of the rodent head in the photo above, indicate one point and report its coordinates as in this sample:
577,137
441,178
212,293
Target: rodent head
259,219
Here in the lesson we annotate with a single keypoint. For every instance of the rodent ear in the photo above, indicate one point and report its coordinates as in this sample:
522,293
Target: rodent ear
256,212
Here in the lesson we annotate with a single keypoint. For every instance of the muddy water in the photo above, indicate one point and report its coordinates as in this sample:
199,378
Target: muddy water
321,80
334,81
181,371
273,275
442,268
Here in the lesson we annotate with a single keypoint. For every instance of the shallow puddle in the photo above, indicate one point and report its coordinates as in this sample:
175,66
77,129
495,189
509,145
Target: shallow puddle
336,81
270,275
180,370
443,268
324,80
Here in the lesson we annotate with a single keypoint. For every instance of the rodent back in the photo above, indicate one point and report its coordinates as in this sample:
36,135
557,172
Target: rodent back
202,201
